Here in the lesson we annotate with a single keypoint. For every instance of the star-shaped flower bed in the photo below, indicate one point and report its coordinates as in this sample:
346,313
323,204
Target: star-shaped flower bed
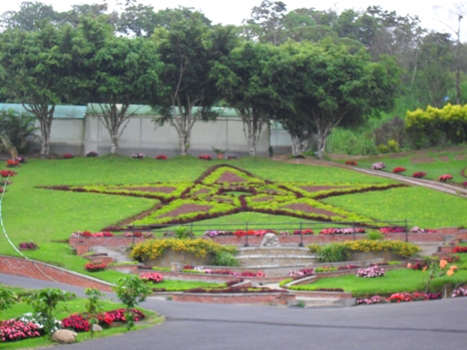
225,190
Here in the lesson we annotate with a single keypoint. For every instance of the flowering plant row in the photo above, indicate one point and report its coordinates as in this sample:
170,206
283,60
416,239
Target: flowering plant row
401,248
201,269
458,249
89,234
398,170
378,166
445,177
399,297
341,231
80,322
152,277
205,157
138,234
95,266
371,272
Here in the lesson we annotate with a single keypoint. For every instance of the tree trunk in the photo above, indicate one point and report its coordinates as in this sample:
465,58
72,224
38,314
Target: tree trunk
114,144
45,136
300,144
322,138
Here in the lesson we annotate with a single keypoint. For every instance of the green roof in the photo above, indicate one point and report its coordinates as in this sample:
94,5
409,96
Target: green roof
61,111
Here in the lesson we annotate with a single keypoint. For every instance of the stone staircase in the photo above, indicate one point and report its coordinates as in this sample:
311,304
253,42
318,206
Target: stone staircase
268,257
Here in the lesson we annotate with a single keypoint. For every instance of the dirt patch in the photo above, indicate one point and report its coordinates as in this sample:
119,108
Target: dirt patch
425,160
162,189
309,209
229,177
201,191
460,156
444,158
185,209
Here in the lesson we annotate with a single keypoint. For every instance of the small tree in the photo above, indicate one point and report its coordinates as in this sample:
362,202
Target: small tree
93,306
131,291
7,299
45,301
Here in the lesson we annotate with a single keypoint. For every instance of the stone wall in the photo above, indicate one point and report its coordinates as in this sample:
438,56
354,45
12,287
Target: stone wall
240,298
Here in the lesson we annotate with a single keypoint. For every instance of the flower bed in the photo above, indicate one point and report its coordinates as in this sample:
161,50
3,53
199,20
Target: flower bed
419,174
399,297
445,177
458,249
28,246
12,163
341,231
378,166
89,234
459,292
151,277
95,266
80,322
200,269
370,272
7,173
12,330
205,157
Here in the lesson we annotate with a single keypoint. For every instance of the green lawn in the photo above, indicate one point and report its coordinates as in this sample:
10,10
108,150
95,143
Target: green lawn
48,217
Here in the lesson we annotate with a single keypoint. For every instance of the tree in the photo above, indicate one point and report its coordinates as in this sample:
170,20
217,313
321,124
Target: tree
249,81
267,19
340,88
45,302
7,299
123,72
93,306
31,16
189,49
37,70
131,291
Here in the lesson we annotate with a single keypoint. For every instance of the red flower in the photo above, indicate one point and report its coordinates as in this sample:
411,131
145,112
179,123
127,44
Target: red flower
6,173
419,174
68,156
445,177
398,170
161,156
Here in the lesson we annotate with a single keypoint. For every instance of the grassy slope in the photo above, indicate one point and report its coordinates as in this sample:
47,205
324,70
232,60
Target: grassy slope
49,217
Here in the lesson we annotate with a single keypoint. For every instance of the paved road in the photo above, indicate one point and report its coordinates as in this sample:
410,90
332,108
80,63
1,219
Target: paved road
412,326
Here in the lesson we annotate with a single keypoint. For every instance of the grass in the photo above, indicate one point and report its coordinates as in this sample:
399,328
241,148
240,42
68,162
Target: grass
395,281
49,217
63,310
173,285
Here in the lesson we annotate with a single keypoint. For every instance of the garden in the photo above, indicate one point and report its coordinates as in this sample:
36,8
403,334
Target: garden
108,196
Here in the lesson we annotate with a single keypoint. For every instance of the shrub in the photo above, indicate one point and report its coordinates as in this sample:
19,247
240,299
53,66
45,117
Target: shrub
76,322
68,156
28,246
138,155
375,236
205,157
333,253
19,129
398,170
161,157
382,148
12,163
225,258
7,173
419,174
351,162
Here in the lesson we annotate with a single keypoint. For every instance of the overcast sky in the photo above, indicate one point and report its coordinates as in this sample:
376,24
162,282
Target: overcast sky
430,12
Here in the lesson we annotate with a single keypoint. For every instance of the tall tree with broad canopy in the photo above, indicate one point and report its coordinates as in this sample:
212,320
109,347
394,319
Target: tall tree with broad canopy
37,70
338,87
189,48
249,81
123,72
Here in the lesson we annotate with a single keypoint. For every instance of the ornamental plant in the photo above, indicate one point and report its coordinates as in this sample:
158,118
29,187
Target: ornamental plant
21,159
131,291
351,162
138,155
161,157
7,299
95,266
12,163
398,170
93,306
339,231
76,322
459,292
370,272
91,154
307,231
419,174
151,277
45,302
401,248
445,177
378,166
28,246
68,156
458,249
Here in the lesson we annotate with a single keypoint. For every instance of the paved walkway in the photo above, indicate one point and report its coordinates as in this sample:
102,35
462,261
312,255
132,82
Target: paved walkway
418,325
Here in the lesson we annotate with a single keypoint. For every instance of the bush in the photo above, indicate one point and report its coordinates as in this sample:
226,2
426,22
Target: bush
391,133
224,258
333,253
19,129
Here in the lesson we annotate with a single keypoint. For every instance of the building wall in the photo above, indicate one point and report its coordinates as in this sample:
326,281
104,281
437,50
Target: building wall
142,135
